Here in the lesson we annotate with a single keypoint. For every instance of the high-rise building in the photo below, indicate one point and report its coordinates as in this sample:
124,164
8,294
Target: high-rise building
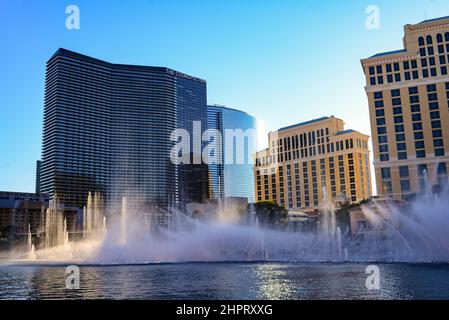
307,161
20,211
38,177
233,176
107,128
408,94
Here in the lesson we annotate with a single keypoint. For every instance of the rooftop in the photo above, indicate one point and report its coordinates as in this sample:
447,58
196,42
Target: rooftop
388,53
340,133
219,106
435,19
304,123
76,55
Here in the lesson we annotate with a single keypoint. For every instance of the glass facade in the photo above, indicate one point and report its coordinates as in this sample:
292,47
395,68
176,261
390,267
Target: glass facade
234,177
107,128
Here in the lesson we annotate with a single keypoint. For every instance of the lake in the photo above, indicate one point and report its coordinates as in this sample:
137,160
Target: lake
240,281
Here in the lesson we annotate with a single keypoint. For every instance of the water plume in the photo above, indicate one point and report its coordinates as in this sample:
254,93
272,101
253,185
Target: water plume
416,232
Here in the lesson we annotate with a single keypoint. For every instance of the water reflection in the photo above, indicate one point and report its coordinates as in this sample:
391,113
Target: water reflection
274,283
227,281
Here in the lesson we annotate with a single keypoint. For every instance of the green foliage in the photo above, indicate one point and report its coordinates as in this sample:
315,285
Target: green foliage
342,214
6,232
270,213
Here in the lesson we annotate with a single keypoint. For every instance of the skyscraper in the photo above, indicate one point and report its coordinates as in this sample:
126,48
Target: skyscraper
408,94
307,158
38,177
233,176
107,128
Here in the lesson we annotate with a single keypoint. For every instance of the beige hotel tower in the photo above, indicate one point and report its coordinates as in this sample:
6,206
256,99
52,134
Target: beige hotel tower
305,157
408,94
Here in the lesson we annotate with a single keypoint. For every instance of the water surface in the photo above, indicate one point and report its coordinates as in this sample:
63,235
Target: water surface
227,281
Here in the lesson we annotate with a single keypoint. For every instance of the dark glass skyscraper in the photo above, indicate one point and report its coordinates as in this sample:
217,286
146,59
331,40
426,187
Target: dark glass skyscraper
231,177
107,128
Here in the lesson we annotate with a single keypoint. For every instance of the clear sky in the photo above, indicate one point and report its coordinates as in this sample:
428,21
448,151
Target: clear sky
283,61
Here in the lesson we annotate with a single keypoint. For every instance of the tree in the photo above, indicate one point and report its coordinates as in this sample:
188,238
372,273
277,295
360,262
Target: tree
270,213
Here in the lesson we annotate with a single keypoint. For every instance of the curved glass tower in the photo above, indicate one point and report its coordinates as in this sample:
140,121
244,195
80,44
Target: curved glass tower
107,128
234,176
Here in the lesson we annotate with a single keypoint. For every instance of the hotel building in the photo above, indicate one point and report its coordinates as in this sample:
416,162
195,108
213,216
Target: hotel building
107,128
307,158
22,212
232,178
408,94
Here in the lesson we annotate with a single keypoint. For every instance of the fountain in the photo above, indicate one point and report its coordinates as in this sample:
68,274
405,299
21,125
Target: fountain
123,223
329,232
30,246
415,233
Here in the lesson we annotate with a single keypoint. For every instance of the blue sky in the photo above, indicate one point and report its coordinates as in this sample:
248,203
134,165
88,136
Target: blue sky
283,61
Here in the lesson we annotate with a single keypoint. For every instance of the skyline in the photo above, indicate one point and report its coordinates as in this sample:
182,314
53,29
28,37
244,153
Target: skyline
198,51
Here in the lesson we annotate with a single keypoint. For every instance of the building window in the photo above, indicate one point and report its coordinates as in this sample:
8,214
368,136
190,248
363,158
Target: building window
401,147
405,186
433,106
433,72
415,108
380,131
381,139
400,137
421,169
396,67
378,95
385,173
414,99
421,41
380,113
383,148
436,124
397,102
402,155
419,144
387,187
441,169
395,93
420,154
379,104
404,172
379,69
413,90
